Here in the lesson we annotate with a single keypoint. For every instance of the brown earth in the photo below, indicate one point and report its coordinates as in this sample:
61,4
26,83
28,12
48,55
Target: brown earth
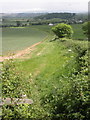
20,53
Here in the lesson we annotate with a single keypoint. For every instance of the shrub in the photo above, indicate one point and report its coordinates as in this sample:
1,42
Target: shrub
14,85
63,30
86,28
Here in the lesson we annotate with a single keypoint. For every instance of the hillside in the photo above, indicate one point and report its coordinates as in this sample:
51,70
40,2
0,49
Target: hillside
55,77
56,15
67,16
20,15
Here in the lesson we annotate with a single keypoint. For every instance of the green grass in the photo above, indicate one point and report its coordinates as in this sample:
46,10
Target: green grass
48,55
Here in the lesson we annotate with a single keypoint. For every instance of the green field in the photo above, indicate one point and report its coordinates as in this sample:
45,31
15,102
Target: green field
14,39
78,32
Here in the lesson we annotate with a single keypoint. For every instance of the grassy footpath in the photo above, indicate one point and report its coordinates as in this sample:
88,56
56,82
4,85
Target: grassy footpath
55,77
47,55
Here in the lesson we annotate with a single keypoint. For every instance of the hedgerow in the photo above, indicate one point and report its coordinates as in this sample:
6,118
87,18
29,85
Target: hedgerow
63,96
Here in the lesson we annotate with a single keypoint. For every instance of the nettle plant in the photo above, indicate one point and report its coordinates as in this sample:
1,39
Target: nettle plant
12,81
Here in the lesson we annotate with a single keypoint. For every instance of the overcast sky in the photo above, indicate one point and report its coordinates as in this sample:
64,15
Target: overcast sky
13,6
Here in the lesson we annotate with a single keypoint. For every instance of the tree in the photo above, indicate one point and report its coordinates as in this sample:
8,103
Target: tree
86,28
18,23
63,30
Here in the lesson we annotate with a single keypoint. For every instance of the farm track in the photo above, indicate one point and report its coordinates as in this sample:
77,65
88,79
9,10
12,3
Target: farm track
20,53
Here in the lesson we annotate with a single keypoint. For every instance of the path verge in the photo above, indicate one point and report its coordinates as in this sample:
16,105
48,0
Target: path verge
20,53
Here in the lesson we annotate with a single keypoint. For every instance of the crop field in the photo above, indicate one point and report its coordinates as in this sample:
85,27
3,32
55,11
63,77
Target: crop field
77,31
14,39
18,38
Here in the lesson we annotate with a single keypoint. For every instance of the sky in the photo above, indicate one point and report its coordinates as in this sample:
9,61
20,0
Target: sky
18,6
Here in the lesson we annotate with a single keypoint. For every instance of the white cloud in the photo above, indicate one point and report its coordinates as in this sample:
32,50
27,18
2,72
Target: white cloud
43,5
44,1
30,10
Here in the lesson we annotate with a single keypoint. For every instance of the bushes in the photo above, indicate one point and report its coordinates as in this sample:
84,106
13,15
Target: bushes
67,96
86,28
14,85
12,81
64,95
23,112
73,101
63,30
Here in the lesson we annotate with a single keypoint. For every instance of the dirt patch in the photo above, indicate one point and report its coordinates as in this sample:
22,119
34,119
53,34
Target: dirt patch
20,53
